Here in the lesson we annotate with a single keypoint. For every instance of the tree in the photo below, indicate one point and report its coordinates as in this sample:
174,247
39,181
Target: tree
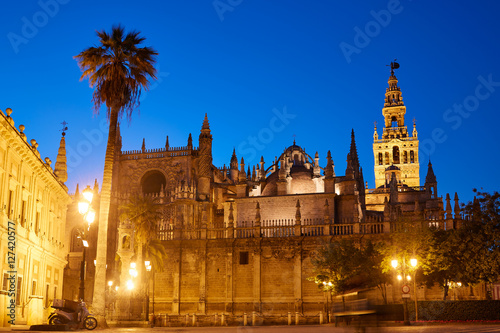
476,244
145,213
337,263
118,69
439,264
372,268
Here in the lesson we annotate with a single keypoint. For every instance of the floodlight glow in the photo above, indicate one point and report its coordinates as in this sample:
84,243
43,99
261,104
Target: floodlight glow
83,207
130,285
88,194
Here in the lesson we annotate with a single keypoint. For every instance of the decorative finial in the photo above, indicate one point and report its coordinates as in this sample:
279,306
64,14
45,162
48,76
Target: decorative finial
294,139
65,128
375,124
394,65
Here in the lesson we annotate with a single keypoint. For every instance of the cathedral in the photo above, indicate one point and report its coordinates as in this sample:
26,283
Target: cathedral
240,238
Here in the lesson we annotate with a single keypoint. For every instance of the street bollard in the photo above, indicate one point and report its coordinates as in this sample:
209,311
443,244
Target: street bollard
165,318
296,318
216,319
254,318
245,321
222,320
194,319
187,319
289,318
321,317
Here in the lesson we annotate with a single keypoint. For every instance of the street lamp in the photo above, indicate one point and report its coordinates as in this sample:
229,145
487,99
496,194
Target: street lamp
88,216
405,272
326,287
147,263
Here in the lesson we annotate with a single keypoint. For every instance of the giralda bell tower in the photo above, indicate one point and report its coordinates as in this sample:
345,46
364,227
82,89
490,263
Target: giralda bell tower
396,147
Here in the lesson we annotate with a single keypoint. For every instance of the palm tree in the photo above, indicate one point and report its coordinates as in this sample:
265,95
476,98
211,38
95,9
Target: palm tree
118,70
145,213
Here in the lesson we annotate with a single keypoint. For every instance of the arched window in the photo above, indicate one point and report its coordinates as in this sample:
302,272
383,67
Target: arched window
387,161
152,182
395,155
412,156
394,121
405,157
380,159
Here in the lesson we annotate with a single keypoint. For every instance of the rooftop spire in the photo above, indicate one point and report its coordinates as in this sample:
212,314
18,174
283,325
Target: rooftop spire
234,160
60,169
206,125
353,152
431,177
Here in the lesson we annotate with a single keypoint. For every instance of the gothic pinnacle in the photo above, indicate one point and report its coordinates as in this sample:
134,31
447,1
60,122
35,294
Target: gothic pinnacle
60,169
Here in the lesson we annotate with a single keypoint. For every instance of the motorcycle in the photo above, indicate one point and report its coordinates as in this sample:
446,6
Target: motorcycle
72,313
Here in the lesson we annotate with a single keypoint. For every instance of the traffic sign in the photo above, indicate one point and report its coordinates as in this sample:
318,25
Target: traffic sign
406,289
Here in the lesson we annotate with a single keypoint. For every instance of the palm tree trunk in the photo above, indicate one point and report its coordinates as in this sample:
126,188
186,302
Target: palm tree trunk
98,302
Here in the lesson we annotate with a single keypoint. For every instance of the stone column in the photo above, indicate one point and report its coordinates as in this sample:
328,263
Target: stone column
203,285
297,277
256,279
176,274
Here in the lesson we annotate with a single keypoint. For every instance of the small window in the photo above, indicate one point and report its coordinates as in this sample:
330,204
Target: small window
37,223
33,287
47,295
19,290
5,283
244,258
23,215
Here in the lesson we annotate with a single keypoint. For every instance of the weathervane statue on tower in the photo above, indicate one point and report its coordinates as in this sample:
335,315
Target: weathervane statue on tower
394,65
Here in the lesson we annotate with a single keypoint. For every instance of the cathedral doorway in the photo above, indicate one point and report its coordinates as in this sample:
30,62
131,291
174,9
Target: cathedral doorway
152,182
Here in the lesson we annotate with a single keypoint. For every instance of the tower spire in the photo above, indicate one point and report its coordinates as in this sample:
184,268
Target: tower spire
353,153
60,169
400,147
205,164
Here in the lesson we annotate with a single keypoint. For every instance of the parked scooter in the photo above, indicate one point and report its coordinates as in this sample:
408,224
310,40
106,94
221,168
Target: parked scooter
72,313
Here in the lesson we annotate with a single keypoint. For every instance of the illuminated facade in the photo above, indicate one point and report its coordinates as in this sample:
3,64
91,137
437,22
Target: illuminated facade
33,200
396,147
240,238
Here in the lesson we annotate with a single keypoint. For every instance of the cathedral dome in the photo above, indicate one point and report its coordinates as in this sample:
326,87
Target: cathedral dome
298,167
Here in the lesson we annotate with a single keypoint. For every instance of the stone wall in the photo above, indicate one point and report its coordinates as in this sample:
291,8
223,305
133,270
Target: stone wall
236,276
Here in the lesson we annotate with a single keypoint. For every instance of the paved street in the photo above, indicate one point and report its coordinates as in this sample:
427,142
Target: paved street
323,328
441,328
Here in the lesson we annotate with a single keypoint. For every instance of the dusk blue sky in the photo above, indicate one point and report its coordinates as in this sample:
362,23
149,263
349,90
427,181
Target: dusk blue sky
323,63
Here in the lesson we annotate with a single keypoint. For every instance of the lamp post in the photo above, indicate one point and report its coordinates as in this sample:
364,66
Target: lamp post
130,284
326,287
88,215
406,288
147,263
